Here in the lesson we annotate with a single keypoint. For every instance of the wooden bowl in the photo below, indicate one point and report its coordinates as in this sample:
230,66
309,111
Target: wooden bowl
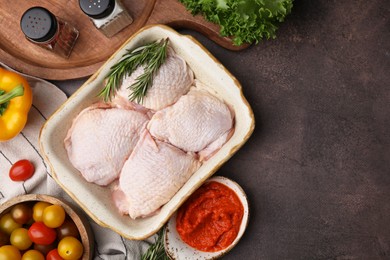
78,218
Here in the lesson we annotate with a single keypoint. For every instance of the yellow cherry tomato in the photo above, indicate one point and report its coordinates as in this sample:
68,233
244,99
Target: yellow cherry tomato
38,209
9,252
8,224
53,216
70,248
33,255
20,239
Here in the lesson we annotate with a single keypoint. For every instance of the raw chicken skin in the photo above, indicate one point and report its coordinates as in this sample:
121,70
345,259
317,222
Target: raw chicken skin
193,123
101,139
173,79
152,175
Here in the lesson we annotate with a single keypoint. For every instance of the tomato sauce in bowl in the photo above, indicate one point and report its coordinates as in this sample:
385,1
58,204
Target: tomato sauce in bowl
210,219
210,223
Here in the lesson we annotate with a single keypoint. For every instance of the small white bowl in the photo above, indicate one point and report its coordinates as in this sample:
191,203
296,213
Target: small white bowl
177,249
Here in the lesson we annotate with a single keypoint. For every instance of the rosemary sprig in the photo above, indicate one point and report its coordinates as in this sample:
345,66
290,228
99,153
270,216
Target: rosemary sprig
152,56
156,251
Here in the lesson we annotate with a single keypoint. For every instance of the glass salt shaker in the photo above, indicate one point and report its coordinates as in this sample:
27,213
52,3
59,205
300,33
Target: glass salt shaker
109,16
43,28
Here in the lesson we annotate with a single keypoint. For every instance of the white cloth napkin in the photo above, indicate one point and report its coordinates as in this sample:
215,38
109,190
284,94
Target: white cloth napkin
46,99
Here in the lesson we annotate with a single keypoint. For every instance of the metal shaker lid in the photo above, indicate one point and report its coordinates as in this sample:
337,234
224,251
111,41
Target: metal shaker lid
97,9
38,24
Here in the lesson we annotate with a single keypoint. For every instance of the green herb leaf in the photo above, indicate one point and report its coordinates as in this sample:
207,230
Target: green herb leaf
152,56
247,21
156,251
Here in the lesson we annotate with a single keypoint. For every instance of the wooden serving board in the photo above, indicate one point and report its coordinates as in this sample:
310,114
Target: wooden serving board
92,48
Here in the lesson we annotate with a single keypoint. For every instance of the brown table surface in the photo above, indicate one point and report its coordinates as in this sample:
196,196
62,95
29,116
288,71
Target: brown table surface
316,169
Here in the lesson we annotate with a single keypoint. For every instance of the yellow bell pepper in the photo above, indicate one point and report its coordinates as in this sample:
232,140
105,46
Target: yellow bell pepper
15,102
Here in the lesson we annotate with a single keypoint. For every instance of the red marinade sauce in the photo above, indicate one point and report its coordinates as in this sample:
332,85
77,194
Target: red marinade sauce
210,219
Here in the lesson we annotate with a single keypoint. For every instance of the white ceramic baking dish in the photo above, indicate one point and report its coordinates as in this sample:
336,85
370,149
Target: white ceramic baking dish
96,200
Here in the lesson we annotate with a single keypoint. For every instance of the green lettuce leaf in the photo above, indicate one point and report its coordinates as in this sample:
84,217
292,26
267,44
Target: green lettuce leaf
247,21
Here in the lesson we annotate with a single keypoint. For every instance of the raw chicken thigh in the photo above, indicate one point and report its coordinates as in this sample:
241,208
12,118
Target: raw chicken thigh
197,122
152,175
173,79
101,139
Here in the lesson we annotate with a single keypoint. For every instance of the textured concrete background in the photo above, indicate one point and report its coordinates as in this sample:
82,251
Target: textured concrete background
316,170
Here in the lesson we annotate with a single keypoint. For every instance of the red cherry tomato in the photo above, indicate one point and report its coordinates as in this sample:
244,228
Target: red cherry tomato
53,255
41,234
21,170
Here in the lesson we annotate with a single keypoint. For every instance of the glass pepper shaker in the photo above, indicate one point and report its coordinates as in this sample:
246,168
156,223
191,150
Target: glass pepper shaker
43,28
108,16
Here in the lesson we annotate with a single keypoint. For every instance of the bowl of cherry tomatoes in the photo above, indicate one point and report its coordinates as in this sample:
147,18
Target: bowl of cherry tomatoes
42,227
